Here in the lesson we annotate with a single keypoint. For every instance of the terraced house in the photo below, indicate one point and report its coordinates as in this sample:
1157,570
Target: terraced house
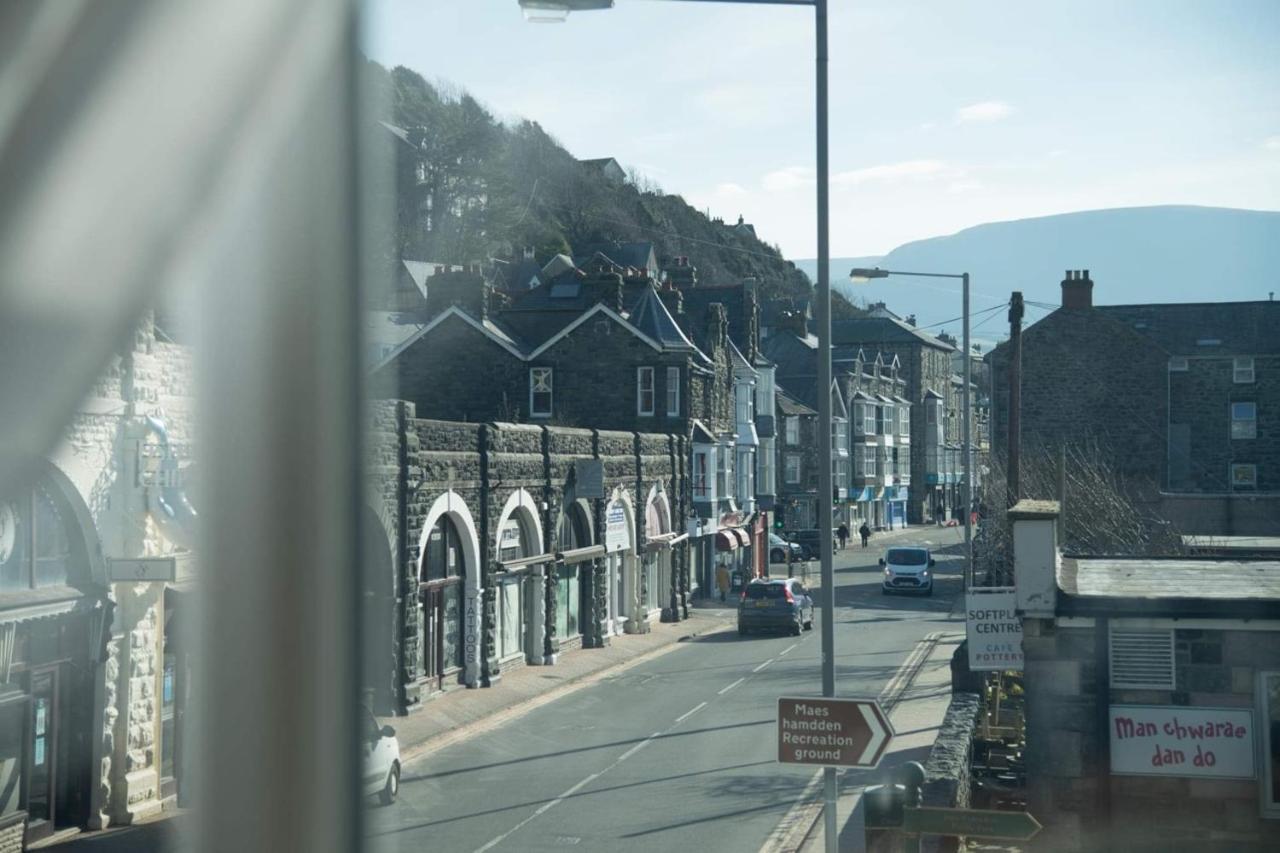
1189,408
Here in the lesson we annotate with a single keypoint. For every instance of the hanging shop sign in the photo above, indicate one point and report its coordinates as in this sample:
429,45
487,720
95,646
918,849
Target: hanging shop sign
993,629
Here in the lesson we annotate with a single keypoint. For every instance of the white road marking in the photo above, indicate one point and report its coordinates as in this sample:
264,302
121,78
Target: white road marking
541,809
725,690
687,714
641,745
787,649
763,665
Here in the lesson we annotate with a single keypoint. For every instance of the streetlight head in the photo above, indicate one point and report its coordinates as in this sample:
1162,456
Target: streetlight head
556,11
859,275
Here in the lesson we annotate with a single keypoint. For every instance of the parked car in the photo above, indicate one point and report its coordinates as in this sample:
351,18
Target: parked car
808,539
775,604
381,759
779,548
907,569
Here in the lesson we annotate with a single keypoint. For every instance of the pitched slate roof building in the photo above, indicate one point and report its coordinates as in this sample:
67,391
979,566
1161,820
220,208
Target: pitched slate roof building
1184,398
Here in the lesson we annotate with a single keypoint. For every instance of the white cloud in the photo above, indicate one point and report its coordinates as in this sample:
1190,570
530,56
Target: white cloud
906,170
963,186
729,188
984,111
788,179
1272,143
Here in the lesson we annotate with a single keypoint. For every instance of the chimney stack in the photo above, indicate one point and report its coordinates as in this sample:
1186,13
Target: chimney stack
1035,556
1077,289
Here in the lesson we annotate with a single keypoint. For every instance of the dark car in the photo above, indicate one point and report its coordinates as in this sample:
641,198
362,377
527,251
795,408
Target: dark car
779,548
810,541
774,605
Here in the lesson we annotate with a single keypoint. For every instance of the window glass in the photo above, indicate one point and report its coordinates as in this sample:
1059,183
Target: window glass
53,547
644,390
673,391
13,713
1244,420
540,399
15,534
1269,696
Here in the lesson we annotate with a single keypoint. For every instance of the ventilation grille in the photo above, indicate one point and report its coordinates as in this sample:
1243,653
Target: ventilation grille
1142,660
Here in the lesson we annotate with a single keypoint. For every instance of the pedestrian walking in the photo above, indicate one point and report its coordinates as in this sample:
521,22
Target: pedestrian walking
865,533
843,532
722,580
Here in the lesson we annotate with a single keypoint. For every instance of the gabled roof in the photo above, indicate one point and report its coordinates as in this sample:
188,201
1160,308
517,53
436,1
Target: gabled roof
636,254
739,360
557,265
789,405
881,330
598,308
700,433
493,331
385,332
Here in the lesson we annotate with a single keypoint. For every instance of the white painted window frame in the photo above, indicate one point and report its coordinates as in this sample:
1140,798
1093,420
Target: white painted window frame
673,392
1247,424
641,373
1242,370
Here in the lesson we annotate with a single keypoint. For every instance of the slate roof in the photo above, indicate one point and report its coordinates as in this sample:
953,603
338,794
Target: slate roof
1177,578
650,316
387,331
790,405
1243,328
519,275
636,254
556,266
881,330
739,360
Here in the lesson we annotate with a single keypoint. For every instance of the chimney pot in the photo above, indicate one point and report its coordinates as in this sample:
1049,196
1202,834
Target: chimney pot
1077,290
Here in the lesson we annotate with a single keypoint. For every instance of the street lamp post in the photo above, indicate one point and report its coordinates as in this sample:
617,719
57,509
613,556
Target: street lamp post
558,10
861,275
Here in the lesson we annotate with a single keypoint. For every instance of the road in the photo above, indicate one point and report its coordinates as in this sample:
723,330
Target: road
675,753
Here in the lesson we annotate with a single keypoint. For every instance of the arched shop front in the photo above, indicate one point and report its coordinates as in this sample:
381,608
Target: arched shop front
448,596
572,591
53,617
659,588
620,560
519,603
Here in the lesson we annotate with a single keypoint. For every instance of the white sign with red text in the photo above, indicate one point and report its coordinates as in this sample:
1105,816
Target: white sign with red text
1171,740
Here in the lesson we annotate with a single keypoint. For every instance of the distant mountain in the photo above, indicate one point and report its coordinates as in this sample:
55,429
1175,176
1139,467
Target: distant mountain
1134,255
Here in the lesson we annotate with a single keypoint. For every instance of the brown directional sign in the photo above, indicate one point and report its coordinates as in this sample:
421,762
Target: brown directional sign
832,732
976,823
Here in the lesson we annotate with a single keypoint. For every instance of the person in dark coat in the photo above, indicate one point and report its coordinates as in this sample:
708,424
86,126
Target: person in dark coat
843,532
865,533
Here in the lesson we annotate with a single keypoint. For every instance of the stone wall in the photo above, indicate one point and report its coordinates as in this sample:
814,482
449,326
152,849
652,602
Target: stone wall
1086,376
947,773
1070,788
1200,399
411,462
11,835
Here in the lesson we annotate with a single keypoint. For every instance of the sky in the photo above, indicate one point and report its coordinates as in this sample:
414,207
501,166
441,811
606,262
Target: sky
943,115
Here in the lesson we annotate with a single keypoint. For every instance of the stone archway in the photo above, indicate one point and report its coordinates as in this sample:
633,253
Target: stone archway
452,504
520,608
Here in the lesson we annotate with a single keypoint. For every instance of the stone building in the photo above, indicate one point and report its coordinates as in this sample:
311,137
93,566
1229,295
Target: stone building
797,463
93,572
501,545
1152,696
1181,399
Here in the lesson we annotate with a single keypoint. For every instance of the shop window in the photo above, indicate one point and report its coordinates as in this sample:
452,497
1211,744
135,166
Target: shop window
1142,659
13,728
35,543
1269,698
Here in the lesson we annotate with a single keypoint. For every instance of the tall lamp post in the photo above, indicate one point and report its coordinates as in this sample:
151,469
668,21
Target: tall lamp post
558,10
864,275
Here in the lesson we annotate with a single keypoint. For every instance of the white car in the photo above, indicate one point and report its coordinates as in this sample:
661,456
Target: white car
907,569
381,759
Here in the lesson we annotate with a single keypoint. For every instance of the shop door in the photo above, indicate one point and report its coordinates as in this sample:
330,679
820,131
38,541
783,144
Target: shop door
442,629
42,801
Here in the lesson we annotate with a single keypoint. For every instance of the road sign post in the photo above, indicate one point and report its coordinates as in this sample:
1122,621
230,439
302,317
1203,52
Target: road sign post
976,823
832,732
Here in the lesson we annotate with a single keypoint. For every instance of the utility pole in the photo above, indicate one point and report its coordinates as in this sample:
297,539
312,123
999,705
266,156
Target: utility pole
1015,395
